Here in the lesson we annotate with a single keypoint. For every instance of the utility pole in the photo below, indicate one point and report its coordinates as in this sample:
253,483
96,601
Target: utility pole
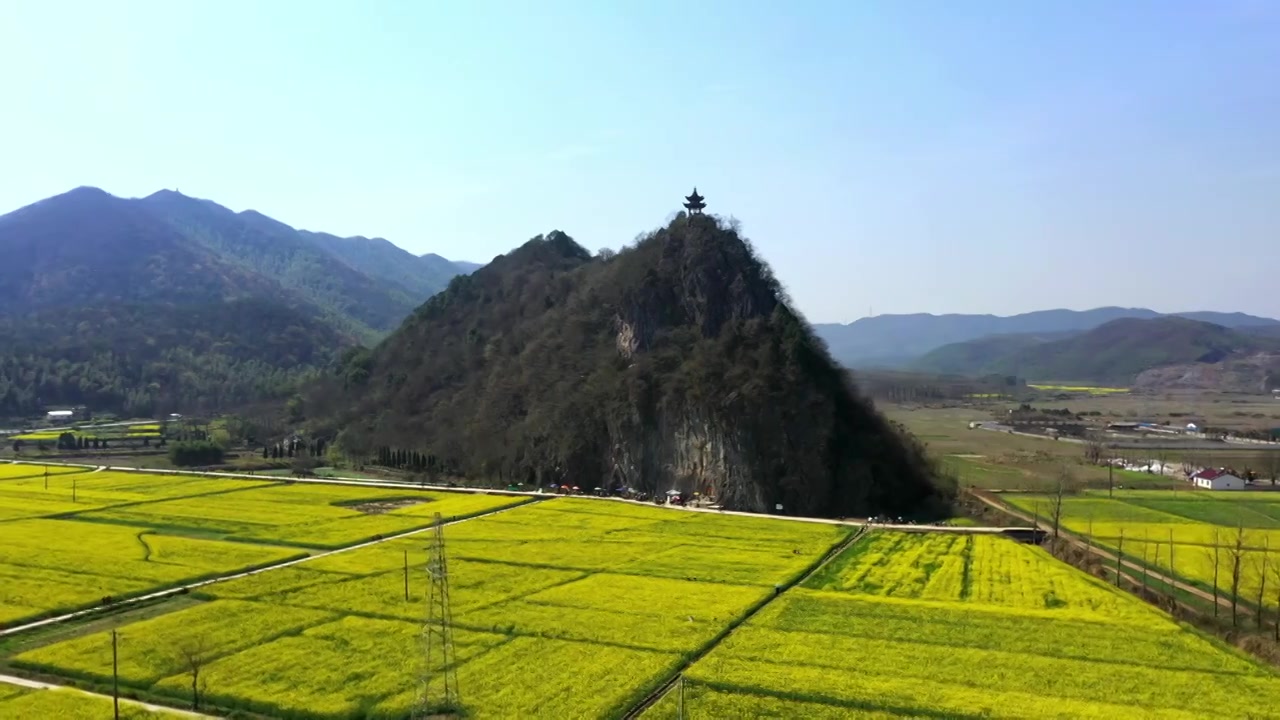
46,477
406,576
115,676
1111,485
73,489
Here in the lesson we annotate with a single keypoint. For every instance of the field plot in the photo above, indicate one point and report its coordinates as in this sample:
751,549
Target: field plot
305,514
1201,527
930,626
50,566
70,493
21,702
74,541
11,471
565,608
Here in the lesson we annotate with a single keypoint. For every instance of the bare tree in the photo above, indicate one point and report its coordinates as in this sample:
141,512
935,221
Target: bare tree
1235,551
1119,556
1088,536
193,653
1215,555
1275,582
1146,541
1062,485
1271,465
1094,450
1261,567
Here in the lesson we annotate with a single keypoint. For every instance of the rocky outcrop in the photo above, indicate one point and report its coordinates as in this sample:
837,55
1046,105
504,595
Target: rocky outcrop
676,364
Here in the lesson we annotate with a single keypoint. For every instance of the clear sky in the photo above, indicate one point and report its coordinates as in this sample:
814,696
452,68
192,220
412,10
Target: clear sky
892,155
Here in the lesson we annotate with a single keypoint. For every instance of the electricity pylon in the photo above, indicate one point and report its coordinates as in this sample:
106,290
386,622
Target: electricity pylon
439,692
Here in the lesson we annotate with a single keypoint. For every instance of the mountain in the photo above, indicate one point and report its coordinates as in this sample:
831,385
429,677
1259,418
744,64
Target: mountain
420,275
1115,352
462,265
86,248
895,340
257,243
103,303
177,303
975,356
673,364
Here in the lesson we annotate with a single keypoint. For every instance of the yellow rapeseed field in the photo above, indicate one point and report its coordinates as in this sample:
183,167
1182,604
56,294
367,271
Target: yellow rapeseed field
565,608
18,702
898,625
306,514
49,566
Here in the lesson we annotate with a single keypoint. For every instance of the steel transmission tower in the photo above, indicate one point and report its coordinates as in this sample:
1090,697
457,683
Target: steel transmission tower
439,692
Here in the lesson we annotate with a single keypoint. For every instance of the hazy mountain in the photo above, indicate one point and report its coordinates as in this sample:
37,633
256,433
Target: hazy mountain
266,246
86,247
420,275
1115,352
466,267
894,340
674,364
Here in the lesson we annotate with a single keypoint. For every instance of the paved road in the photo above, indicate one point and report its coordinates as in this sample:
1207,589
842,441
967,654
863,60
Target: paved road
36,685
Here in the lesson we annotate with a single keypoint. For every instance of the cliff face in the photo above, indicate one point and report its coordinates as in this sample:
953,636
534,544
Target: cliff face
677,363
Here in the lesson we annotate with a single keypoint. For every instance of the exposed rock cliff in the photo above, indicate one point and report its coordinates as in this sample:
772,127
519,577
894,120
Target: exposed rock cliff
677,363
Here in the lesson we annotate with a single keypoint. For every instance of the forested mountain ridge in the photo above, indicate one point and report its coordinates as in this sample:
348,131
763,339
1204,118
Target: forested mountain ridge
176,304
677,363
86,247
271,248
151,358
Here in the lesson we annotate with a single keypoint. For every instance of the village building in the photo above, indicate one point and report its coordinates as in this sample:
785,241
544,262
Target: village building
1209,479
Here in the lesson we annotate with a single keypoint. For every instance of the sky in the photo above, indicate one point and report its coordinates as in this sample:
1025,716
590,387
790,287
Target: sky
883,156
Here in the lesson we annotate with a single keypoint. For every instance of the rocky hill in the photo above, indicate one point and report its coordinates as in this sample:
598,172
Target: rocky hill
676,363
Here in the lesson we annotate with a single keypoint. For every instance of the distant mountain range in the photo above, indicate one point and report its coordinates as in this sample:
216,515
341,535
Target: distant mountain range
1126,351
898,341
171,301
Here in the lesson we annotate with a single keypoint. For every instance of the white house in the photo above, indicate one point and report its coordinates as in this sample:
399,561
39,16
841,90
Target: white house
60,414
1217,480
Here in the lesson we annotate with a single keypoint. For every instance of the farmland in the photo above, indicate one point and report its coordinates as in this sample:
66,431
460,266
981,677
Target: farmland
549,600
916,625
78,540
1192,522
20,702
1001,460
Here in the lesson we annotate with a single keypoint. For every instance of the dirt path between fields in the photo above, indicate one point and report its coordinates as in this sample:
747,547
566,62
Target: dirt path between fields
639,708
36,685
1109,557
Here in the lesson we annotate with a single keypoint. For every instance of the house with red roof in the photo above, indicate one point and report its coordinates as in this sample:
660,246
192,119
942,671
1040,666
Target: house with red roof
1219,479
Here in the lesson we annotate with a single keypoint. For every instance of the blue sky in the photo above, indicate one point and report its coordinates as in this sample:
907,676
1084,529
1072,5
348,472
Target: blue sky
895,156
